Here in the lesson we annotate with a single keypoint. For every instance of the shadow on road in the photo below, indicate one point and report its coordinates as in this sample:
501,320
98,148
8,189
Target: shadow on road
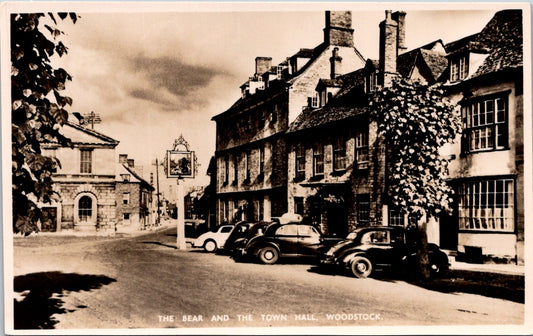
41,292
501,286
161,244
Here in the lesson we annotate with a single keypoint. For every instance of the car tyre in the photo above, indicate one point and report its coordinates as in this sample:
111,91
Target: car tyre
210,246
361,267
268,255
438,268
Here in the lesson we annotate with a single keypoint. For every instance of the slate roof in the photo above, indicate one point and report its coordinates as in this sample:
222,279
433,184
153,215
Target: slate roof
501,38
125,169
317,117
85,136
435,61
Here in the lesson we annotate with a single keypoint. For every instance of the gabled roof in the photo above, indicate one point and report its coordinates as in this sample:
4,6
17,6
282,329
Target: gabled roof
136,178
501,39
427,56
82,135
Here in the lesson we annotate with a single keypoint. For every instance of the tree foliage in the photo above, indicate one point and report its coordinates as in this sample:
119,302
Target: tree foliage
37,112
416,120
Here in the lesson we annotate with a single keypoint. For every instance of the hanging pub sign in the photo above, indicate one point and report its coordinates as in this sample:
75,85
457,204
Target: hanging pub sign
180,164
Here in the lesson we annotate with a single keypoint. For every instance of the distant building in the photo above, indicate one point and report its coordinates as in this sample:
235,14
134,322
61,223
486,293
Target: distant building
133,197
251,160
85,182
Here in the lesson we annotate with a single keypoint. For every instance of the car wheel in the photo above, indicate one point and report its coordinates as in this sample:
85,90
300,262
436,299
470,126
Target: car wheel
268,255
437,269
210,246
361,267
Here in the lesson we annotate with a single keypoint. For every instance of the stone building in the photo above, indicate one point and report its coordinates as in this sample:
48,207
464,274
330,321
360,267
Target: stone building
133,197
485,78
85,182
251,161
336,164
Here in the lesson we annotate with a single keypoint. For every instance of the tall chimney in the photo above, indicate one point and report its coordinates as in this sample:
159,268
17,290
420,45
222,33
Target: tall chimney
388,48
399,17
336,63
123,158
338,30
262,65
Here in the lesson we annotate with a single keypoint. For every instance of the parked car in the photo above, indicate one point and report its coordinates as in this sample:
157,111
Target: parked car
372,248
214,239
194,228
236,246
287,240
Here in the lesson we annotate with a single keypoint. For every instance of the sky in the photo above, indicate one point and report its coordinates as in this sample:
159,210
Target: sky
155,74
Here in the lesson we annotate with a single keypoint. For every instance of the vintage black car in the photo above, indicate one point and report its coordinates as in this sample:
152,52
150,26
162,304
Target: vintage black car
254,229
373,248
287,240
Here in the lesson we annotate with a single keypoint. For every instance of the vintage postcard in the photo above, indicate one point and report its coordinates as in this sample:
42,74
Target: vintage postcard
266,168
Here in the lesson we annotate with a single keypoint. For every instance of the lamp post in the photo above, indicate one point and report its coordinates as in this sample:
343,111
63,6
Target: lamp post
180,164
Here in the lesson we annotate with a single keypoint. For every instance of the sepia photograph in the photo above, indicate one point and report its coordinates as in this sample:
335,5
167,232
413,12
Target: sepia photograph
266,168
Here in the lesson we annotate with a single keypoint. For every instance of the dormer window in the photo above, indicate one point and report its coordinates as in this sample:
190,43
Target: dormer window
459,68
125,177
371,82
279,71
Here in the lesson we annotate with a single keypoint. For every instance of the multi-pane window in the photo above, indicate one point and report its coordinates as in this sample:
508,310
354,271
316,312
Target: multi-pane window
396,217
247,164
261,160
371,82
361,148
318,159
339,154
459,68
226,169
279,71
363,209
487,205
126,198
300,161
85,208
235,169
86,162
485,125
314,100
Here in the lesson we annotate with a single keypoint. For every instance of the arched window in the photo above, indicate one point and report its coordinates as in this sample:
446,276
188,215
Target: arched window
85,208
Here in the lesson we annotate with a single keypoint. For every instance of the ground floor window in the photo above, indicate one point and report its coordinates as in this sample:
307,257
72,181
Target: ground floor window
487,205
299,205
85,208
126,218
396,218
363,209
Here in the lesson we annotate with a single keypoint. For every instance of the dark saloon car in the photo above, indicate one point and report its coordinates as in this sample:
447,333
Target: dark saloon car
372,248
287,240
254,229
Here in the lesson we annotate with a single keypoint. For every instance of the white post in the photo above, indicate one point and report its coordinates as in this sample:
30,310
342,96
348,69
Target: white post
180,202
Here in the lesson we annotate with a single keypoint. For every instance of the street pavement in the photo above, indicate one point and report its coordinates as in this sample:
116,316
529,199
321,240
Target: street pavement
143,281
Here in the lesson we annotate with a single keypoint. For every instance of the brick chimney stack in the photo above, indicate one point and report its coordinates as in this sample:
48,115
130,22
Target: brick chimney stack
388,48
399,17
336,63
262,65
123,159
338,29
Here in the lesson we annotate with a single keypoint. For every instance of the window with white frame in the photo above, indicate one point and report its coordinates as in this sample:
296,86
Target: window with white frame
318,159
279,71
487,205
300,161
485,124
314,100
86,161
339,154
396,217
459,68
371,82
361,148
